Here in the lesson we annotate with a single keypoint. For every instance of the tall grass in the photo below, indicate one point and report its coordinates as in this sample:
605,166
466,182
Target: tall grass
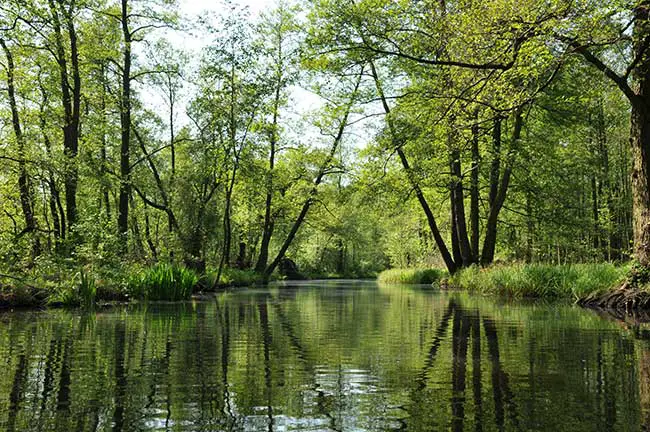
163,282
87,289
410,276
540,280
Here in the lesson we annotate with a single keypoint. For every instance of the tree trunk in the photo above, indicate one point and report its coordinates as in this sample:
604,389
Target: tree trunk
495,169
500,192
474,191
125,123
56,208
71,108
595,212
322,172
24,186
267,230
640,140
458,204
450,263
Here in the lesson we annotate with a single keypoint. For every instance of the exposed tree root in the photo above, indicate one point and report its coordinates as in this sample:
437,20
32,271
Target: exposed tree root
626,298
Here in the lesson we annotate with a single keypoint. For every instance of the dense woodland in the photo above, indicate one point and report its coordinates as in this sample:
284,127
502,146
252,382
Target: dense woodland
349,136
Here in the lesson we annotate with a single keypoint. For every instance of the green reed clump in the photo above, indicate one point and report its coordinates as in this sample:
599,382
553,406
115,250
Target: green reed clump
410,276
87,289
540,280
163,282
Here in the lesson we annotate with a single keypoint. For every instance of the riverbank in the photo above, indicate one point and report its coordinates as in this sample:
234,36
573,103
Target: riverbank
63,284
574,281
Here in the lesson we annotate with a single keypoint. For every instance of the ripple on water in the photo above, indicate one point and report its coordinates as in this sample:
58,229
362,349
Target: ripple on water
323,356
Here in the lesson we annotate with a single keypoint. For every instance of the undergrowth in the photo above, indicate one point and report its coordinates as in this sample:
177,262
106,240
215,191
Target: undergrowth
540,280
410,276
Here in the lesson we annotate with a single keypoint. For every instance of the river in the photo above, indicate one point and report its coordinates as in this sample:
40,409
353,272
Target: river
324,356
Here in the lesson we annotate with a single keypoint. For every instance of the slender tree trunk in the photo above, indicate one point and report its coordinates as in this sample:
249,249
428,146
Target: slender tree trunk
24,183
474,191
73,126
322,172
530,228
56,207
495,169
71,101
431,220
455,243
172,146
595,212
267,231
103,152
125,123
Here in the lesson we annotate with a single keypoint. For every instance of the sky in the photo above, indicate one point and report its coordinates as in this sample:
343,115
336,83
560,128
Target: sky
195,7
302,100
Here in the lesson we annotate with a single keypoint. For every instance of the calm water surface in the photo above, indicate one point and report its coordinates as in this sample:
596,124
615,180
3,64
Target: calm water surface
330,356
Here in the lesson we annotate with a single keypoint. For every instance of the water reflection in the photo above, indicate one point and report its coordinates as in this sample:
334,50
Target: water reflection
324,356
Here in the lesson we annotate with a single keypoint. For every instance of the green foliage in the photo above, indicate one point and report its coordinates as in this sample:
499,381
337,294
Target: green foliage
230,277
540,280
411,276
240,171
82,291
163,282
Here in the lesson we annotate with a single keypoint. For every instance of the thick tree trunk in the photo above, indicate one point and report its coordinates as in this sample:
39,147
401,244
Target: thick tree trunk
458,204
499,197
640,140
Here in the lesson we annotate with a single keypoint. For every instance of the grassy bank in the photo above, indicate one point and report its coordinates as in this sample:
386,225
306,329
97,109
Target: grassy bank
410,276
574,281
64,284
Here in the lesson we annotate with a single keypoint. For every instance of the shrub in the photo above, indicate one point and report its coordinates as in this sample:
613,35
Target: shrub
230,277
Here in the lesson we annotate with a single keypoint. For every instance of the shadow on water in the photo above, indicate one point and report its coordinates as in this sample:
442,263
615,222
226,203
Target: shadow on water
323,357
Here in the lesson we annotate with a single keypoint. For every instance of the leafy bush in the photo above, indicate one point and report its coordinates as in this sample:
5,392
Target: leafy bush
410,276
162,282
230,277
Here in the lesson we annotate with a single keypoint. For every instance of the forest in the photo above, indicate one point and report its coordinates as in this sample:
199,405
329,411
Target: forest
322,138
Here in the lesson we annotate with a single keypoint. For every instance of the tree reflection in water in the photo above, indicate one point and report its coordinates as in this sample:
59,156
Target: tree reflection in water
324,357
